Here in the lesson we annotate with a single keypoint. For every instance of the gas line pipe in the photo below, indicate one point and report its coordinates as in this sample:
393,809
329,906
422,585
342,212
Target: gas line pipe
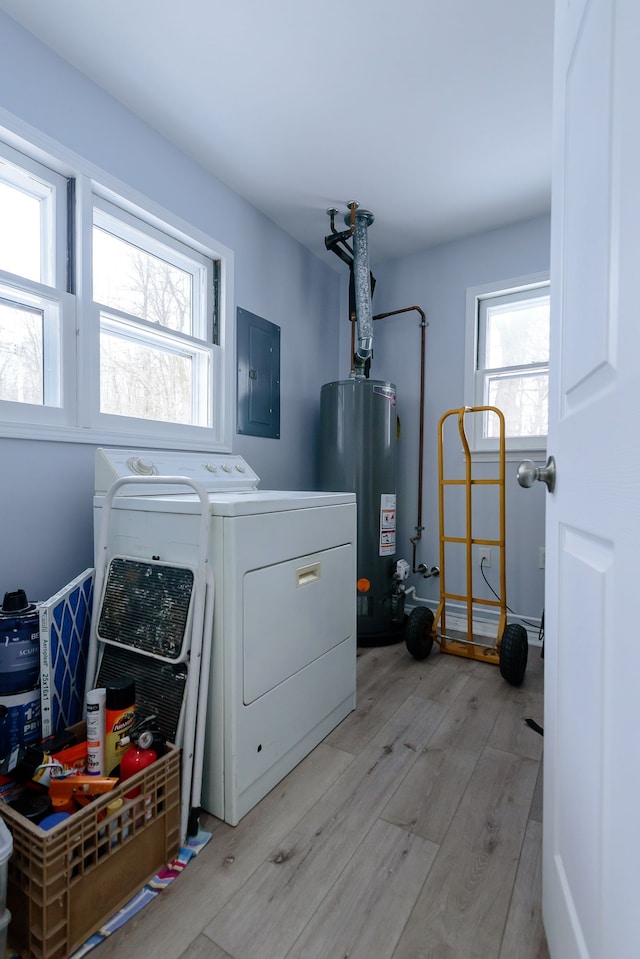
419,527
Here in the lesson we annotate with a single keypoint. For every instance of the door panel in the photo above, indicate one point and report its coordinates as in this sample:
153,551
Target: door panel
585,212
592,661
584,567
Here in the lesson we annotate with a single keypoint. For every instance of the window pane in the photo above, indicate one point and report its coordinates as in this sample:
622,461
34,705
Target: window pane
137,379
128,278
20,232
524,402
21,354
517,333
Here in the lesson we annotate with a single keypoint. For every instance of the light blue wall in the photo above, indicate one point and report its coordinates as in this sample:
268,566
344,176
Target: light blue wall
46,488
437,281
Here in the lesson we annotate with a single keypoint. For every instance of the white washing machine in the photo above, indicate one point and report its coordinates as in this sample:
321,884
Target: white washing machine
283,656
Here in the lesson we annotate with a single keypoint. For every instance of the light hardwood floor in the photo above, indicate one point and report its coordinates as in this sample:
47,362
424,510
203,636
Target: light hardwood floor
413,831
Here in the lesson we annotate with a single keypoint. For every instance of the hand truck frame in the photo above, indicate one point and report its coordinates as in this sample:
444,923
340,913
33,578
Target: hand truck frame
509,651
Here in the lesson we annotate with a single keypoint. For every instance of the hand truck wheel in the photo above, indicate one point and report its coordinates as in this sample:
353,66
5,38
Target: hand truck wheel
418,634
514,650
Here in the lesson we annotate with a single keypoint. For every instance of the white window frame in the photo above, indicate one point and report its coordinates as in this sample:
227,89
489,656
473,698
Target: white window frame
78,419
199,344
35,298
484,447
26,173
49,296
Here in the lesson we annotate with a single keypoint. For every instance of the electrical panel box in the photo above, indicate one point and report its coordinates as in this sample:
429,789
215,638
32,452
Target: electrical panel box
258,352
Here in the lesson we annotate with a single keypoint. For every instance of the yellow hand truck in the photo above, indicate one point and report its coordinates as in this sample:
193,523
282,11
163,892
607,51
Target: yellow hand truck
510,649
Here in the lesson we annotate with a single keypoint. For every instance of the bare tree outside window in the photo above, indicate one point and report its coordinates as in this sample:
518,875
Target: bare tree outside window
21,354
135,349
514,360
130,279
136,380
524,401
21,328
143,374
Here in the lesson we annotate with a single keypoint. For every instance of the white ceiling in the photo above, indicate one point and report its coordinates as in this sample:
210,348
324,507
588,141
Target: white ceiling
433,114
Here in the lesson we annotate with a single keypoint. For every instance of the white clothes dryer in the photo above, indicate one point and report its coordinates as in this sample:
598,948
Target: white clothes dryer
283,656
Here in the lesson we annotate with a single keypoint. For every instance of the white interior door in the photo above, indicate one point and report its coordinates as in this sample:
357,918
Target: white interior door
591,859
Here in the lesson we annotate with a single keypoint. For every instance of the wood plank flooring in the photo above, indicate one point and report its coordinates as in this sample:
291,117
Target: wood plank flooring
412,832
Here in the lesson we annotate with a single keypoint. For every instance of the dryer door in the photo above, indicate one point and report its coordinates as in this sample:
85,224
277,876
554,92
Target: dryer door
294,612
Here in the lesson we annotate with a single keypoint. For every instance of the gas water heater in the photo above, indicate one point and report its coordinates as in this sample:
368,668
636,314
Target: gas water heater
358,439
358,430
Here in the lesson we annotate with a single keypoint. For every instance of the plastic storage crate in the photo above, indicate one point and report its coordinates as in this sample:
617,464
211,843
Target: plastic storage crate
64,883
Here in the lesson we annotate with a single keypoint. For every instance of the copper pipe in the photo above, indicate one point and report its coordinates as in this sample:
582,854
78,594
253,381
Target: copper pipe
346,233
423,325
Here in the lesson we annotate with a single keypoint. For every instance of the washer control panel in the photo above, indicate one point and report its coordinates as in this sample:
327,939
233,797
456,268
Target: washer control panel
216,472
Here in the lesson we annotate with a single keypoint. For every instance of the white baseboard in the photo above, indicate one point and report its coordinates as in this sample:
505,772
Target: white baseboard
484,623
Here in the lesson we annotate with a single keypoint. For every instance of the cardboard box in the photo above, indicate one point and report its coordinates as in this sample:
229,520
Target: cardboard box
64,883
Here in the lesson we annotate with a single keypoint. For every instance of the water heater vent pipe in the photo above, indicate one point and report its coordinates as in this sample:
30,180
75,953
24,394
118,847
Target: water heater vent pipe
361,220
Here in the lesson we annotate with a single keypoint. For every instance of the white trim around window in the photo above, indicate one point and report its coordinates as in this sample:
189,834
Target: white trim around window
477,376
70,410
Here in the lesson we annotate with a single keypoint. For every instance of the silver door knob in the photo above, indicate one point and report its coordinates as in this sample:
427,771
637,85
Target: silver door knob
528,473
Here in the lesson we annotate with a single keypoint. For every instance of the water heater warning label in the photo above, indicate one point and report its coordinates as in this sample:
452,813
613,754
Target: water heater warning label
387,524
387,391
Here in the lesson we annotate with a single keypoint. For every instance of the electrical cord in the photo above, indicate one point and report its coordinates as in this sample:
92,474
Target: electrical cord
540,628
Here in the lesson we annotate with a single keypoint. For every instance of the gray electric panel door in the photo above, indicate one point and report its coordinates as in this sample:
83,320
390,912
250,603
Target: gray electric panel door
258,347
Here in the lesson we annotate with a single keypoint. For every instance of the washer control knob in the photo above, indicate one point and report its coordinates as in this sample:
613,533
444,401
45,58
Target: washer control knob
241,468
226,467
212,467
141,466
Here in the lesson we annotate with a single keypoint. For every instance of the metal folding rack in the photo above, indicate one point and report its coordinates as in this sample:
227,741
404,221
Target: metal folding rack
160,615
